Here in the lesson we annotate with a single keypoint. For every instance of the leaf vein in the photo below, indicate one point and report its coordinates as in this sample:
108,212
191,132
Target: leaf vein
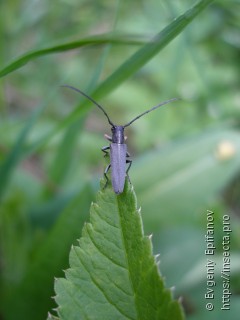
103,253
100,289
72,296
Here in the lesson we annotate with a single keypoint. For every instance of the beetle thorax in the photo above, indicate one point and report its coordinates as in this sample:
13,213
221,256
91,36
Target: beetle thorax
118,134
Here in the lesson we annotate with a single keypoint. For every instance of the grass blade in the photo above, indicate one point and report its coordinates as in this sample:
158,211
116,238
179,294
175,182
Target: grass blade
15,154
149,50
96,40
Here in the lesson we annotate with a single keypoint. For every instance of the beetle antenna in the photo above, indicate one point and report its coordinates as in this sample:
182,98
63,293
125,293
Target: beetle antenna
142,114
91,99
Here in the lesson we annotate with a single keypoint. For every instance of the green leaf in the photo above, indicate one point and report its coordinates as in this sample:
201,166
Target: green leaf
113,273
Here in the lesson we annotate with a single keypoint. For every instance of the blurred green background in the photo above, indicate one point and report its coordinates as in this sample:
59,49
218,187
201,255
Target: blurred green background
186,155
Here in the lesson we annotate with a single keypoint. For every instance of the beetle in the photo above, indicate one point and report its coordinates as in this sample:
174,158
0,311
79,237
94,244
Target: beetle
119,155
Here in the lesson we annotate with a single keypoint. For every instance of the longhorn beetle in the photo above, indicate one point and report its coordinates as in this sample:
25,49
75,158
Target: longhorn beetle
118,149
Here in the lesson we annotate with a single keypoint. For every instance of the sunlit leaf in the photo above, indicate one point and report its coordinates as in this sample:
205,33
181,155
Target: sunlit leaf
113,273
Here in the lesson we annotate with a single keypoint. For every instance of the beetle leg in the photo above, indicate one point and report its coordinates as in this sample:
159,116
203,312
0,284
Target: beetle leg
130,163
128,154
105,175
108,137
104,150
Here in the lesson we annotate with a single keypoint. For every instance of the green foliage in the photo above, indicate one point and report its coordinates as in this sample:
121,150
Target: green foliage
199,176
97,40
113,274
186,156
129,67
34,290
16,153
